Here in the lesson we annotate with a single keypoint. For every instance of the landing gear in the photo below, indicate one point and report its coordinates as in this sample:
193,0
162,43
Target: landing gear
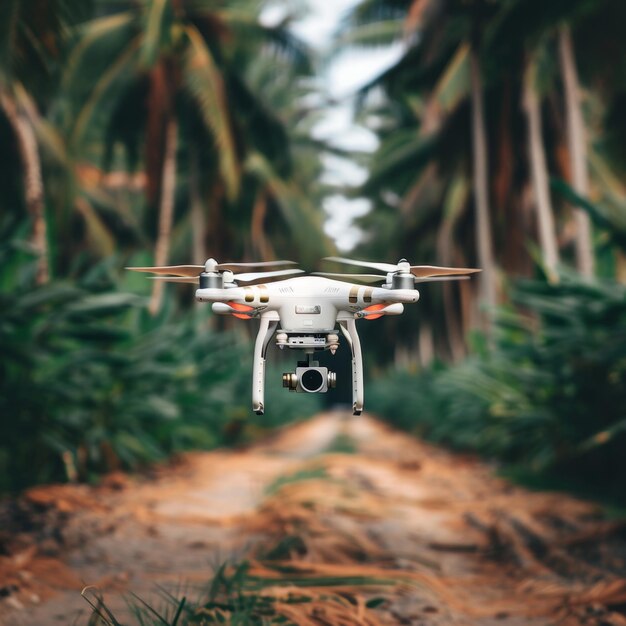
266,330
348,328
309,376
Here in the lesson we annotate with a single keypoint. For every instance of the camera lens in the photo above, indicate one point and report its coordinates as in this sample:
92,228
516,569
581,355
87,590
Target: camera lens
312,380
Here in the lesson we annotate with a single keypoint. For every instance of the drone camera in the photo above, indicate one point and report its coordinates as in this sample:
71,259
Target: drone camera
310,379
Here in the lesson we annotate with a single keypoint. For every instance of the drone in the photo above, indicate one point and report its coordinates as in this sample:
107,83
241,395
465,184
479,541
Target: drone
303,311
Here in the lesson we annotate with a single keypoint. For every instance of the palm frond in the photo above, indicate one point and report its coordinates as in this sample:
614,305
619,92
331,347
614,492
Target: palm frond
381,33
278,39
95,32
206,86
303,220
372,11
454,84
157,32
105,92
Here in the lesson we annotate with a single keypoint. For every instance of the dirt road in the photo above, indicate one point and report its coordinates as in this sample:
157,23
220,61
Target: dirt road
395,532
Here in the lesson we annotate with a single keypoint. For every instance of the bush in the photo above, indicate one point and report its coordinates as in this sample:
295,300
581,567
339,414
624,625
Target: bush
89,382
551,395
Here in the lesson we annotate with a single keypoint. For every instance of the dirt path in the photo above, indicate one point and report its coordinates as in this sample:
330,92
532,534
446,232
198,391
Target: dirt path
409,534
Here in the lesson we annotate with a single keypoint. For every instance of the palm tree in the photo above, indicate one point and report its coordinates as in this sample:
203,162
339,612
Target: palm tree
32,46
169,60
503,35
437,83
155,47
544,36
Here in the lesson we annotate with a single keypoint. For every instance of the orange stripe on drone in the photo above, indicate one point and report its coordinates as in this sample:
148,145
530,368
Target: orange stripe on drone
374,307
240,307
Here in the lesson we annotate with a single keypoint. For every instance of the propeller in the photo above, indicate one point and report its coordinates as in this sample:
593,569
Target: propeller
227,266
210,266
243,278
383,267
377,278
252,276
177,279
429,271
438,279
365,278
191,273
419,271
174,270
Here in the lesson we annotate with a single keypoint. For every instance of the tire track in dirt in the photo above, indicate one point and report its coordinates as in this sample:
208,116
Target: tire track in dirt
422,535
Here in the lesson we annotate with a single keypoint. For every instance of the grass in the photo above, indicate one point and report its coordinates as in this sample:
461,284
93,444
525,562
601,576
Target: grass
255,594
342,444
313,473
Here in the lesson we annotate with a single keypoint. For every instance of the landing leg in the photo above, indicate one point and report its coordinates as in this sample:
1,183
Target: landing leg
348,328
266,330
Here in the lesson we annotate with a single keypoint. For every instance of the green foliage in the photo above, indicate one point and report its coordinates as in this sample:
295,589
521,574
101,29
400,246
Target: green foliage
90,382
342,444
240,596
609,216
312,473
552,394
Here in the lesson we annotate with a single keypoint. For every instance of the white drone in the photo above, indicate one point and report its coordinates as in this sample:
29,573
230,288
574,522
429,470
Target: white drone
307,309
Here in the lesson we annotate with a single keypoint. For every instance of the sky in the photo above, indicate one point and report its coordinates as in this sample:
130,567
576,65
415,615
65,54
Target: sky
341,79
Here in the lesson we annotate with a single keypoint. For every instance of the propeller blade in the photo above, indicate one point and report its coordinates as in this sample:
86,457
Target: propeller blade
438,279
383,267
177,279
365,278
175,270
252,276
426,271
228,266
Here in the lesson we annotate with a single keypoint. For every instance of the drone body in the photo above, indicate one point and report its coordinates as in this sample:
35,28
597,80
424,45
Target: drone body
304,312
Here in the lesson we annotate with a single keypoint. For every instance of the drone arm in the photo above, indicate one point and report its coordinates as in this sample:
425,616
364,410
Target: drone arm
235,294
406,296
266,330
348,328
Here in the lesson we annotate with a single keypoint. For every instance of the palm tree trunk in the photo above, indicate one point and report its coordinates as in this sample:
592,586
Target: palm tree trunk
452,318
198,225
32,181
539,172
220,243
484,242
260,242
577,151
197,213
166,210
453,324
